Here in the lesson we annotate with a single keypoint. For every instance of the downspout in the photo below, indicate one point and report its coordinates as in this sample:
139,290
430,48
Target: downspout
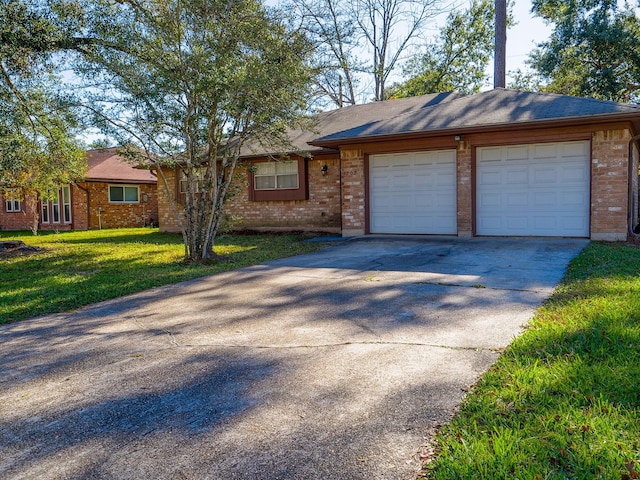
88,205
635,141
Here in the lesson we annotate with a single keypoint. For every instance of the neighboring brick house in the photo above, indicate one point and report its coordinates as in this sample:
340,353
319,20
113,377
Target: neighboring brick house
113,194
498,163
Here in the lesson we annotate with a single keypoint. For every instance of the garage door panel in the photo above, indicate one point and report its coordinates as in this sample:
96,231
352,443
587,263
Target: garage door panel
517,176
575,149
544,152
546,193
545,175
491,177
513,154
418,195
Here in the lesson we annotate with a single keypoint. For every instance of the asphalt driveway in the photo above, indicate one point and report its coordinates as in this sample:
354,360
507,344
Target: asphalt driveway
333,365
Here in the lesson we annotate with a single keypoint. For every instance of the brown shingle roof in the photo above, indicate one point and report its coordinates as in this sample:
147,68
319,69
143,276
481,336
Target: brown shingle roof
343,119
105,165
499,107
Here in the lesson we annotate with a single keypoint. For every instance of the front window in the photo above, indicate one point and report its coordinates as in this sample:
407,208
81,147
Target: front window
124,194
12,204
276,175
58,209
199,173
55,208
66,204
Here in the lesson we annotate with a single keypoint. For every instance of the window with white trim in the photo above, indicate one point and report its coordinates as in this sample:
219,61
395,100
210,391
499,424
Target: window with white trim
66,203
44,217
183,180
55,208
276,175
58,209
12,204
124,194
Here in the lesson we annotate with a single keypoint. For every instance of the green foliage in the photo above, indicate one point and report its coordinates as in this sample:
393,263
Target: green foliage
594,49
192,81
563,400
78,268
37,151
457,60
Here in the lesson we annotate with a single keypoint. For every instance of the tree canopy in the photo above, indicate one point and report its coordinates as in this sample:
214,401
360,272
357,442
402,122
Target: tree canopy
38,151
194,81
457,60
594,50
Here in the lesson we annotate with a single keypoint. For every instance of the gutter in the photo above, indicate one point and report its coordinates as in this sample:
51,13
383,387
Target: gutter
481,128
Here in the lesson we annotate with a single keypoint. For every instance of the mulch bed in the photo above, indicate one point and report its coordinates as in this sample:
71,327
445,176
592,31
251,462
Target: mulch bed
17,248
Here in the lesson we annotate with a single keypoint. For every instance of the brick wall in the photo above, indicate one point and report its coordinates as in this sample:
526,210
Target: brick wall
353,193
21,220
166,216
320,212
465,189
609,184
103,214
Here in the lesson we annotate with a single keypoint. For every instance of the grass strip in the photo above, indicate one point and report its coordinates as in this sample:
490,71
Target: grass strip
79,268
563,401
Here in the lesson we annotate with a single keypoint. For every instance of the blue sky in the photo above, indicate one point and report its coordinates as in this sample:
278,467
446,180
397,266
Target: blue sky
523,37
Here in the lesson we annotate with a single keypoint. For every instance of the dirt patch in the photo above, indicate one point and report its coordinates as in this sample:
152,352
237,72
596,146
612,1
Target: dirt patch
17,248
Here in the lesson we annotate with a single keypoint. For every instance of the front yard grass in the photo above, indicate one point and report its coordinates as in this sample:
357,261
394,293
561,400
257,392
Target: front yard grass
79,268
563,401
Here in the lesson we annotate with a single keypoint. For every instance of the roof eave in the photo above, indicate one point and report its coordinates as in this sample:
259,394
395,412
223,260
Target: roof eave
581,120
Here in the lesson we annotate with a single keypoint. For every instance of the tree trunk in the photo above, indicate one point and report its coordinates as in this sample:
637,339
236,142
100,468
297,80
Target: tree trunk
500,59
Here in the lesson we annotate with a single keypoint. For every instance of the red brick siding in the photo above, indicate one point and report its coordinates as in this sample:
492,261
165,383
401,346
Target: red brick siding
465,189
103,214
609,184
353,192
166,216
321,212
15,220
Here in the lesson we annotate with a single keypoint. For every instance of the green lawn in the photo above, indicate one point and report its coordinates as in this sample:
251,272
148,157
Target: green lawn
79,268
563,401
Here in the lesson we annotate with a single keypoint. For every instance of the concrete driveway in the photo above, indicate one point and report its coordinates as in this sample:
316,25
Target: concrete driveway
333,365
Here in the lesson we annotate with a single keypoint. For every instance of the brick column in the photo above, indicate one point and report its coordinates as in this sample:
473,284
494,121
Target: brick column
353,192
465,189
609,184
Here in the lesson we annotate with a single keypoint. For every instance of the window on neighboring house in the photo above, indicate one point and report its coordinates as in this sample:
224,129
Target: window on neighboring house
276,175
12,204
55,208
44,218
124,194
66,204
58,209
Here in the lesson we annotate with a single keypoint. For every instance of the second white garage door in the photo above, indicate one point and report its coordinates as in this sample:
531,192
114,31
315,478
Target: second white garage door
533,190
413,193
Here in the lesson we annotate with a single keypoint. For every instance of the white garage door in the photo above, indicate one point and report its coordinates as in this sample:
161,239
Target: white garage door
533,190
413,193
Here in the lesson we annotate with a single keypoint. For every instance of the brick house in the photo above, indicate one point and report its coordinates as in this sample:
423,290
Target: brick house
113,194
498,163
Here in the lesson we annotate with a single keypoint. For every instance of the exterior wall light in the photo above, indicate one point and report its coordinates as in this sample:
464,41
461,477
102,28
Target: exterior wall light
324,170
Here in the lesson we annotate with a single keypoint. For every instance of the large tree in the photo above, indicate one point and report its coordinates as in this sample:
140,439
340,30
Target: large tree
594,50
359,44
457,60
329,25
38,153
197,80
